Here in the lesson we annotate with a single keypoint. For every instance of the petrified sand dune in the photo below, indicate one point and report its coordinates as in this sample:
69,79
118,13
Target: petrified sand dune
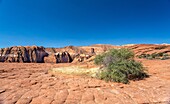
70,53
149,48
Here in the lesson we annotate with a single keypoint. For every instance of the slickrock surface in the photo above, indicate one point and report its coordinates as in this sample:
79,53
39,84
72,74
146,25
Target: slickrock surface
149,48
24,83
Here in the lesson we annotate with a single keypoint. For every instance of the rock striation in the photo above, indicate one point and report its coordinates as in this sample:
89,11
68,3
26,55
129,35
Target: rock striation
67,54
35,54
58,57
63,57
21,54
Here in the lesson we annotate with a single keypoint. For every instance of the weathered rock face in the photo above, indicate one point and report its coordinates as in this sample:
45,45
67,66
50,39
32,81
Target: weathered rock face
5,53
40,54
59,57
81,57
35,54
23,54
63,57
50,59
1,52
92,51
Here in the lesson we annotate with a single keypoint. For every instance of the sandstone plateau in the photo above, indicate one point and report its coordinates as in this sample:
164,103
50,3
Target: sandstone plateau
25,77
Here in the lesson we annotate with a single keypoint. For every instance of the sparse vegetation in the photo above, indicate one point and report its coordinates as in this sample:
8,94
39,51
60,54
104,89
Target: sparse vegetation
76,70
160,56
160,47
165,56
118,65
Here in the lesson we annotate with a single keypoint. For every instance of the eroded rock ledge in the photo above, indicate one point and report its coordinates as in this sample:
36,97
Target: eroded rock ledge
23,54
35,54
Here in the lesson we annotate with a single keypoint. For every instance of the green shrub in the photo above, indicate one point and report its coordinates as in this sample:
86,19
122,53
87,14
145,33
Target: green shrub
119,66
160,47
162,56
165,56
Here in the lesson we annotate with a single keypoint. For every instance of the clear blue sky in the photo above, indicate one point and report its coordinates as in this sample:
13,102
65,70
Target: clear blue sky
57,23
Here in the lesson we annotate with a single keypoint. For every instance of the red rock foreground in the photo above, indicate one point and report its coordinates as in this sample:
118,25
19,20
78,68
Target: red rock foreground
31,83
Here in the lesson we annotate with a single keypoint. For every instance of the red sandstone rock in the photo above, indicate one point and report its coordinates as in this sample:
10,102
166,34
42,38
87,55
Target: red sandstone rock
35,54
23,54
23,83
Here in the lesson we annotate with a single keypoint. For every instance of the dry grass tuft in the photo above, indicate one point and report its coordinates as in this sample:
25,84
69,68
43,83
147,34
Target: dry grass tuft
76,70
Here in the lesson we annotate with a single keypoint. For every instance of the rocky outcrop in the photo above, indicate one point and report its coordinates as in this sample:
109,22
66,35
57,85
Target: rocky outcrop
35,54
50,59
23,54
59,57
1,52
81,57
63,57
92,51
5,54
40,54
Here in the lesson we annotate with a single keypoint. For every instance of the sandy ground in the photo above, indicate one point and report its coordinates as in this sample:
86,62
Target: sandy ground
32,83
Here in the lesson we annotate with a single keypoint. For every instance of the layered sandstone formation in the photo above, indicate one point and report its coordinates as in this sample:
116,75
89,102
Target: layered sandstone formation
140,49
59,57
34,83
22,54
35,54
68,54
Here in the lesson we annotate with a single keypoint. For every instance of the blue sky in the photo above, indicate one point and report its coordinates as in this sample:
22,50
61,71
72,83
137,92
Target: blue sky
57,23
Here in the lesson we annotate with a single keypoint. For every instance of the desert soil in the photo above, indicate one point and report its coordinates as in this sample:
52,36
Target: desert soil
32,83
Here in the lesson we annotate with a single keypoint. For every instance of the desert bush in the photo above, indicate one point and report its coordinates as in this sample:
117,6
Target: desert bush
162,56
165,56
160,47
118,65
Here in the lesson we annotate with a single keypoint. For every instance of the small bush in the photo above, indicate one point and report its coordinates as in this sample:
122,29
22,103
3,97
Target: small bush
165,56
160,47
162,56
119,66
